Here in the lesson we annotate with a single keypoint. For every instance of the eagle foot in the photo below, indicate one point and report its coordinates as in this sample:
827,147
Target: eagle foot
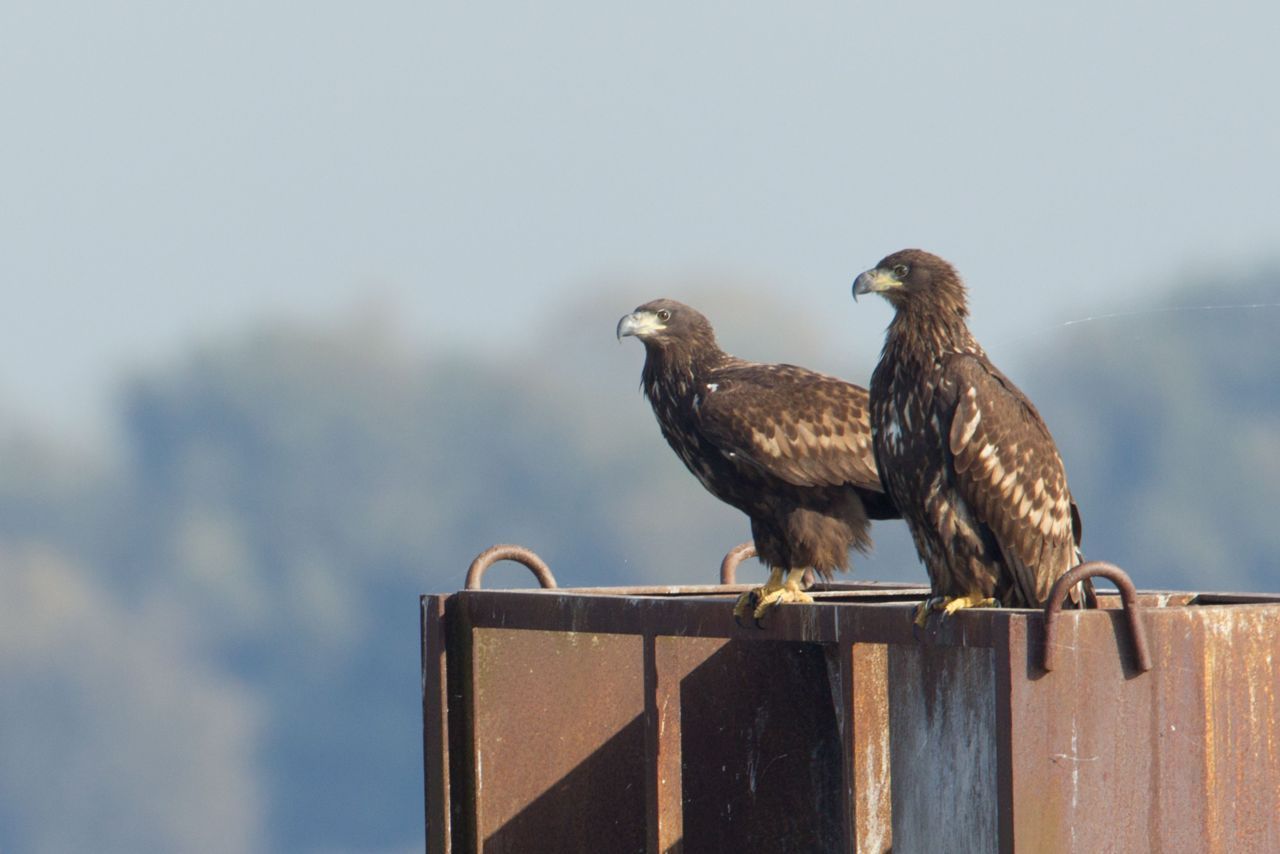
948,605
760,600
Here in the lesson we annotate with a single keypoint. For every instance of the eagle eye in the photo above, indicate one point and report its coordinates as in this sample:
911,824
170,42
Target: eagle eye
901,270
664,315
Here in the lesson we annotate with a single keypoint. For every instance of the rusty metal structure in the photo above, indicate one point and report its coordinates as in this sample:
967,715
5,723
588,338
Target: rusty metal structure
645,720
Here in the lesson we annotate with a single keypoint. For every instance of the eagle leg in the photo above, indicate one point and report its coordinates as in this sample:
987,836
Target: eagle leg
775,591
948,605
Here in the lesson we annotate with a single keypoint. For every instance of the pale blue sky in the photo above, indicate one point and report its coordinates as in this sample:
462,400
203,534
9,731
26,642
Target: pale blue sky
171,171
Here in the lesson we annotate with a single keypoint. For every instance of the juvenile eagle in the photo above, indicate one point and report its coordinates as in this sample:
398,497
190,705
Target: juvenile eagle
963,453
789,447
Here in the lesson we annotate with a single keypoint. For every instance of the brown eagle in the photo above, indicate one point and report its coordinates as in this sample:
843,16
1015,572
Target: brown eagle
962,452
789,447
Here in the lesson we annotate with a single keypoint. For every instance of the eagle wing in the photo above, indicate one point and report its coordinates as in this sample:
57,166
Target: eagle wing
1008,471
806,428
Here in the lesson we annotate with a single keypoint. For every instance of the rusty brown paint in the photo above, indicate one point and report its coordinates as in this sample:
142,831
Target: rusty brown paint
519,554
558,747
1182,759
862,706
668,661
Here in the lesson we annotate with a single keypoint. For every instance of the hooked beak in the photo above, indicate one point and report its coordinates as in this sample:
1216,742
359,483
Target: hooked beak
638,324
875,281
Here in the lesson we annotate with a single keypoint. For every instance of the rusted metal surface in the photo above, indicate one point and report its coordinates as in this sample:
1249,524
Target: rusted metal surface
559,748
860,691
629,719
760,749
666,666
1185,757
942,745
1128,595
519,554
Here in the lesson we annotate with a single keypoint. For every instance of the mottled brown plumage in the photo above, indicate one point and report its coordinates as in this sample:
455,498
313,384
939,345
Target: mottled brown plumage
963,453
789,447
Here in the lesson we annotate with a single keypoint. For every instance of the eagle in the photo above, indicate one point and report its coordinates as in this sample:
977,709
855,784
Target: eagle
789,447
961,450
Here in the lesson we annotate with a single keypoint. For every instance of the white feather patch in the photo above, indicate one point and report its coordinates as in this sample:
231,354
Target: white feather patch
969,428
895,431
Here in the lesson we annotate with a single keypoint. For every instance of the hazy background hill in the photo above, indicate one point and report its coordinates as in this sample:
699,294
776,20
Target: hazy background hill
209,635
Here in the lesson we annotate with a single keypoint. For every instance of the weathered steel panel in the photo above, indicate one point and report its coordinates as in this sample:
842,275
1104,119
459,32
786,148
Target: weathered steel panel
861,699
668,661
558,741
646,719
1185,757
761,750
1240,648
942,745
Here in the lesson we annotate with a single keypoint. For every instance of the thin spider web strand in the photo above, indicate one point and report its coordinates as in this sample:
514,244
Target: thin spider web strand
1173,309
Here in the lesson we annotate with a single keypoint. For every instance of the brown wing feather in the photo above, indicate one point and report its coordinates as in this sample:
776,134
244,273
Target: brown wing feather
1008,471
806,428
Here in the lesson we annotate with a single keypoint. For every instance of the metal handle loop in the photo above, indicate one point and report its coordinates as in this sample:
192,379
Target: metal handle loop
519,554
1128,596
736,555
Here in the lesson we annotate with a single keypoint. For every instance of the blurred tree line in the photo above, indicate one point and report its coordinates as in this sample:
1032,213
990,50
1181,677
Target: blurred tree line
210,638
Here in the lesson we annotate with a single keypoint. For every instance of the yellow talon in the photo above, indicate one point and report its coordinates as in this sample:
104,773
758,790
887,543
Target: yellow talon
948,605
760,600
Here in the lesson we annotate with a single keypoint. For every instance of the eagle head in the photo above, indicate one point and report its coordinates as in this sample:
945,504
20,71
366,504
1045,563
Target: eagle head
913,276
664,321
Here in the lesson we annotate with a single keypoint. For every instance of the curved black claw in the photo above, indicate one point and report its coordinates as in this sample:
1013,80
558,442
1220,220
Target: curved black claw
753,599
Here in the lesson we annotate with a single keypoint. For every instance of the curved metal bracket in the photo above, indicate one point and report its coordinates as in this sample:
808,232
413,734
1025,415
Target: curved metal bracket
736,555
519,554
1128,595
